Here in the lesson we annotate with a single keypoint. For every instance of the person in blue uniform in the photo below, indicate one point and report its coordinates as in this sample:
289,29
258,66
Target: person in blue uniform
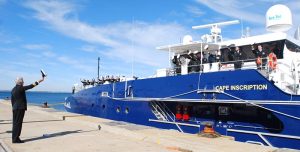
19,106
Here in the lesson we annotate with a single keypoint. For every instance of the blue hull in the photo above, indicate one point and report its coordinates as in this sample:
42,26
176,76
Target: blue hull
256,111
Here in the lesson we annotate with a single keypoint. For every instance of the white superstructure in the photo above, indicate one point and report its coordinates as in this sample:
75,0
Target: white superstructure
194,56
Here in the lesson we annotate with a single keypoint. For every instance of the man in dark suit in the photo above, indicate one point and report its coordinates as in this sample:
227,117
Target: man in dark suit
237,57
19,106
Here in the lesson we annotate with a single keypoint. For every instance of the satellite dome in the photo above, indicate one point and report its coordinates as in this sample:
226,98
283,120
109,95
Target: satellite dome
278,18
187,39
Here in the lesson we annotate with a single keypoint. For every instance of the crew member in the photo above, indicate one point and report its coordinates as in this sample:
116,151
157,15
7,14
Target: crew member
19,106
218,56
237,56
73,89
261,57
211,59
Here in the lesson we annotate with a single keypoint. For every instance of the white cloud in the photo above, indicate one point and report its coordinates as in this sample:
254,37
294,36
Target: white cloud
37,46
247,10
252,11
195,10
7,50
60,17
50,57
6,38
89,48
75,63
294,6
48,54
118,38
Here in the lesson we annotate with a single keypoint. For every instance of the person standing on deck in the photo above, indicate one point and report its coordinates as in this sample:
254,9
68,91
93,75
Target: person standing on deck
261,57
237,56
19,106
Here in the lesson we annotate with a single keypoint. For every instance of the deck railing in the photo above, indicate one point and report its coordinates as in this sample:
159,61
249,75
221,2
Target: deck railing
220,66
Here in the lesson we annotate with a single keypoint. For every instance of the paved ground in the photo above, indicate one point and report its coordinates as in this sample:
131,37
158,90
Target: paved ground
44,130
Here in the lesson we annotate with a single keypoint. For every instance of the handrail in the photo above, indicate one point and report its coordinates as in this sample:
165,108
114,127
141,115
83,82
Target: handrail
161,111
199,65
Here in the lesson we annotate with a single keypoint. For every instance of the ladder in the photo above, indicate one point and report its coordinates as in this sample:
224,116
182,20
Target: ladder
163,113
158,115
158,111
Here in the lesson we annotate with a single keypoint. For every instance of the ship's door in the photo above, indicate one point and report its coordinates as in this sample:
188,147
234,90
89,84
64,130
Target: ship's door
128,91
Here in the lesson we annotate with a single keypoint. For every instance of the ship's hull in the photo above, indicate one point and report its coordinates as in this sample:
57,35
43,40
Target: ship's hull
239,103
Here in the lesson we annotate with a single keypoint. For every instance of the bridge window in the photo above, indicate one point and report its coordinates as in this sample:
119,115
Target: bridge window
104,94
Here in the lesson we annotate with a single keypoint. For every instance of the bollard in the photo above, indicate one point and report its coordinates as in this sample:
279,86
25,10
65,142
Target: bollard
208,131
45,105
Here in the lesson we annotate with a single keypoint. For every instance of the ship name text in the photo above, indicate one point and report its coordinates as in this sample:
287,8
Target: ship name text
243,87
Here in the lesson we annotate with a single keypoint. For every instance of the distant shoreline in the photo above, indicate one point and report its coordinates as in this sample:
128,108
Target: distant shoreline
38,91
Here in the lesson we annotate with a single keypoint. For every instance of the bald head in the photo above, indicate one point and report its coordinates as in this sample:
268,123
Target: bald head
19,81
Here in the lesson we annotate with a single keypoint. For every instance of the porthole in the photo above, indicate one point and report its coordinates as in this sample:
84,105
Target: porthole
104,94
92,105
118,109
127,110
103,106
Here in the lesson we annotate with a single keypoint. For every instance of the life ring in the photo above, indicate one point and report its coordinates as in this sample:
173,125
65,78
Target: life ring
258,61
272,61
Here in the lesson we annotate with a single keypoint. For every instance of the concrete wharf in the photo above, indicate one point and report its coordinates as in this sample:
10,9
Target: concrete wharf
49,130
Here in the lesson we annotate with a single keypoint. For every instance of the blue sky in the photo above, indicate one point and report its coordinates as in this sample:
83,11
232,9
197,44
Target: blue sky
65,37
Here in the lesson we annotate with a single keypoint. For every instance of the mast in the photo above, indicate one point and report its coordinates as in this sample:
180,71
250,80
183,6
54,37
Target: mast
98,66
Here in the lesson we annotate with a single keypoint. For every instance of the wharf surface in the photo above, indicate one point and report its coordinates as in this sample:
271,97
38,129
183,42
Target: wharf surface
48,130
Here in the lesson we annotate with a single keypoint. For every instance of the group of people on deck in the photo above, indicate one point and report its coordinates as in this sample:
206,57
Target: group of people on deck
262,54
261,57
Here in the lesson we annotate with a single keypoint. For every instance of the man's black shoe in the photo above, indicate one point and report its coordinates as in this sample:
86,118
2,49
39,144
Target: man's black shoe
18,141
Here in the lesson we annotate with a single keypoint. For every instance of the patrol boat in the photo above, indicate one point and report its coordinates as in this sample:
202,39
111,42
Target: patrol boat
258,103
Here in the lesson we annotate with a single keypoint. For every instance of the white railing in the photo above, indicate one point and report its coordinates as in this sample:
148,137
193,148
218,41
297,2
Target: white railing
219,66
286,77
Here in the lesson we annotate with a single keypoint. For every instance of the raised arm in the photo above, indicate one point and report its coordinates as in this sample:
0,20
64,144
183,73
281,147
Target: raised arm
34,84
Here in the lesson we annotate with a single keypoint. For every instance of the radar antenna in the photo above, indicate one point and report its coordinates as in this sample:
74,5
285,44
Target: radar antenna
215,31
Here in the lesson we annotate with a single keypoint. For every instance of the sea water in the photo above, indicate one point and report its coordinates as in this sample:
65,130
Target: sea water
55,100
